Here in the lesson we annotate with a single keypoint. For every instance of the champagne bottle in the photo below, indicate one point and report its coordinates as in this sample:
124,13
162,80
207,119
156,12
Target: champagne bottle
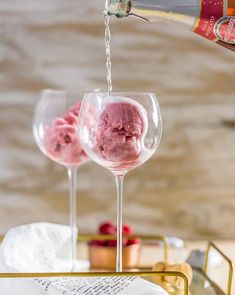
212,19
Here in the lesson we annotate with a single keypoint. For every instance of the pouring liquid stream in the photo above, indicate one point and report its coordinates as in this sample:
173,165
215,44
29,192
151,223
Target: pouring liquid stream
108,52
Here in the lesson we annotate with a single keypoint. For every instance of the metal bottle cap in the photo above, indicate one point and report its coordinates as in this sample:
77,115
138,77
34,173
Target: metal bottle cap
120,8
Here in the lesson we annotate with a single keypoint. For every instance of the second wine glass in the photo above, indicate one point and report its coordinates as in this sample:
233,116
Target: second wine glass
55,129
120,132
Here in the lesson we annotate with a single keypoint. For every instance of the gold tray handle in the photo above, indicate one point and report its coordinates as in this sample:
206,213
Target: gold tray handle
211,245
99,274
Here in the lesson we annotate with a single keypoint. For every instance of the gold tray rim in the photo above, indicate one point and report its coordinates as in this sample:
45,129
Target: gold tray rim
88,237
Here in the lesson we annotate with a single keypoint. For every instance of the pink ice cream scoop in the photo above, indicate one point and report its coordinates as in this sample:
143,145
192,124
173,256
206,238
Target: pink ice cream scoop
61,141
120,132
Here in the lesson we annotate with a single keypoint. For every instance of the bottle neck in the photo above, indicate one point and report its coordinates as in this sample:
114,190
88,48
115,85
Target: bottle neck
183,11
119,8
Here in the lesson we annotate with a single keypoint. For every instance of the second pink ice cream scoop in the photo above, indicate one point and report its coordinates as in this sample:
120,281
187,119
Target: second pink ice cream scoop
61,140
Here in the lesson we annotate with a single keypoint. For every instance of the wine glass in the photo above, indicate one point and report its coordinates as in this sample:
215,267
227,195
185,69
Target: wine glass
55,130
120,132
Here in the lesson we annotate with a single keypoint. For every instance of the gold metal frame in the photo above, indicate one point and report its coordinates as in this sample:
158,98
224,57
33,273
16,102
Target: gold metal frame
211,245
89,237
98,274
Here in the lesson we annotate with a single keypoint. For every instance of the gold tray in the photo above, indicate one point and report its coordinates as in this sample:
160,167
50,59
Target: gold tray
201,284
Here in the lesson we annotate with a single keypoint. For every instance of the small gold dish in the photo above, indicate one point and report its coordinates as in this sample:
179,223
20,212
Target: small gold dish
102,257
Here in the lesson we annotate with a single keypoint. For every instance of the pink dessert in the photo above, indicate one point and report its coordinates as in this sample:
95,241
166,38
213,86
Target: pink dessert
61,141
120,132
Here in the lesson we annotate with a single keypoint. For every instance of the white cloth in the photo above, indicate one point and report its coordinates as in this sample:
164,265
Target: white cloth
43,247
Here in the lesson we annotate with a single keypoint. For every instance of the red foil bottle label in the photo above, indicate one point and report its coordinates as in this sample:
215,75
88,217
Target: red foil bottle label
215,25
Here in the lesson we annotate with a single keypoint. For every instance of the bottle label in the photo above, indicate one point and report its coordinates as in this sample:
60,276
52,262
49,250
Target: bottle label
225,29
215,25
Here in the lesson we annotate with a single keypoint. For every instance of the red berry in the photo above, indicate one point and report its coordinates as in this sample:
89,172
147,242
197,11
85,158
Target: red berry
106,243
127,230
135,241
97,243
107,228
113,243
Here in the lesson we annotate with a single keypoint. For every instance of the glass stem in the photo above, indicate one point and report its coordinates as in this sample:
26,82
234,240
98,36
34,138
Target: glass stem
119,184
72,174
